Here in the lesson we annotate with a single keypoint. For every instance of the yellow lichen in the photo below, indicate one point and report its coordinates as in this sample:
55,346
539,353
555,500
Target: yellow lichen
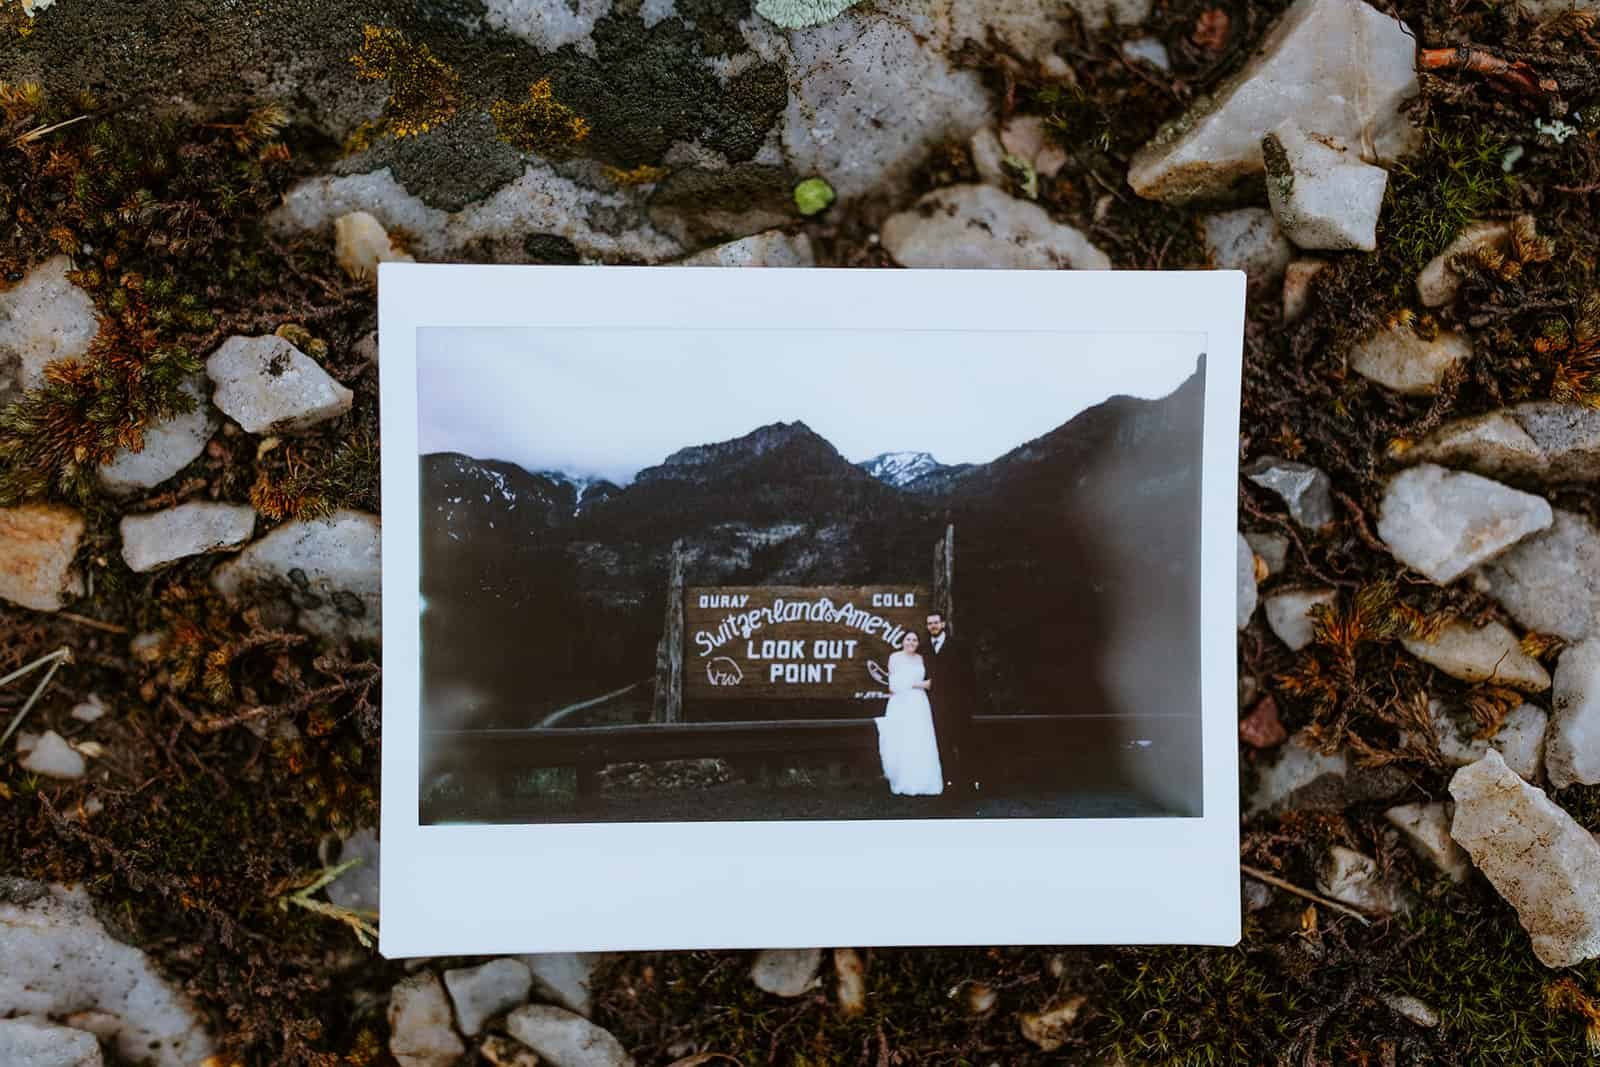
423,90
643,174
541,123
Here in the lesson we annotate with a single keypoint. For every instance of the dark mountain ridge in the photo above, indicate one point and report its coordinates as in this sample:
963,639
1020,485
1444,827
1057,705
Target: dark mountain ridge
1084,533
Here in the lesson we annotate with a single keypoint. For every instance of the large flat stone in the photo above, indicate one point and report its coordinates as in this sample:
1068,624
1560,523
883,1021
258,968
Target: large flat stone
1339,68
1540,443
1540,860
1322,194
870,92
168,447
269,386
60,963
327,570
1572,752
1550,582
157,538
29,1043
1520,739
1489,653
1426,828
979,226
1396,358
1438,281
565,1039
420,1034
1443,523
43,318
37,546
1302,778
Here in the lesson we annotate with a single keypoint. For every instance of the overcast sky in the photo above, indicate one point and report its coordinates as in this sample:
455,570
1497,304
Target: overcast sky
606,403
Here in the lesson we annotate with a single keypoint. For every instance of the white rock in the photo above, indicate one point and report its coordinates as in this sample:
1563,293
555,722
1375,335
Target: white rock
981,226
360,243
482,992
1306,490
92,709
1439,280
1322,194
539,201
419,1024
1550,582
850,982
1289,613
1398,359
1298,764
327,568
1029,29
52,757
1272,548
1572,752
565,977
1536,855
1148,50
775,248
357,888
161,537
1029,139
43,318
565,1039
268,386
786,972
1353,878
61,963
1443,523
870,91
1491,653
1409,1007
37,546
548,26
1247,239
1297,278
30,1043
1520,739
169,447
1247,583
1426,828
1301,777
1337,67
1543,442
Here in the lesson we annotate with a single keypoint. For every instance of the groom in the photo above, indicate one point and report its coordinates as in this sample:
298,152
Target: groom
952,694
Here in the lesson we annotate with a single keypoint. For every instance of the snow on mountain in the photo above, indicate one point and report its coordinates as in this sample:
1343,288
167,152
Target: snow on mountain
900,468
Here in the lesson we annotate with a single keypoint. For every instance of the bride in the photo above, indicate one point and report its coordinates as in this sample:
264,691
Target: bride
906,742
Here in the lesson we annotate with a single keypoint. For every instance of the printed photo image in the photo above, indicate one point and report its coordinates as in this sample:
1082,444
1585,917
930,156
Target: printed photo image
692,575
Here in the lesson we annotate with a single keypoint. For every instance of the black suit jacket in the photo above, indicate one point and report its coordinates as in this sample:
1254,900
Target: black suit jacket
953,692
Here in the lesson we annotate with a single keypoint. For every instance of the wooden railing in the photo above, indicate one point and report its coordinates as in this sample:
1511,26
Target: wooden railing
1074,747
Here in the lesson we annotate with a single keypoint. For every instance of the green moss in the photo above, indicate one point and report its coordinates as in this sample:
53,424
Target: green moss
1454,178
1194,1007
157,215
1476,969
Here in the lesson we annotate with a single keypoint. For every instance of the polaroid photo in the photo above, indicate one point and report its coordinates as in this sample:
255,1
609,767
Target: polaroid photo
784,608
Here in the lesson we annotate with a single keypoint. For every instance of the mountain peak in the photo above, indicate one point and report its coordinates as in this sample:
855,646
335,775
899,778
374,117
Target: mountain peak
900,468
756,443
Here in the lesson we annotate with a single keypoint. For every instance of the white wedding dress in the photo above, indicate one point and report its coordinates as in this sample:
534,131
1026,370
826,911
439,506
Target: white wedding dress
906,742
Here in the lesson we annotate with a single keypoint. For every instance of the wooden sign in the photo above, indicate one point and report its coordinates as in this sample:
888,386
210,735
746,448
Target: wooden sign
796,642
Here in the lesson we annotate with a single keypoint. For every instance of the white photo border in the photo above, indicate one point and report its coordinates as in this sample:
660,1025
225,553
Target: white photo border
568,887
